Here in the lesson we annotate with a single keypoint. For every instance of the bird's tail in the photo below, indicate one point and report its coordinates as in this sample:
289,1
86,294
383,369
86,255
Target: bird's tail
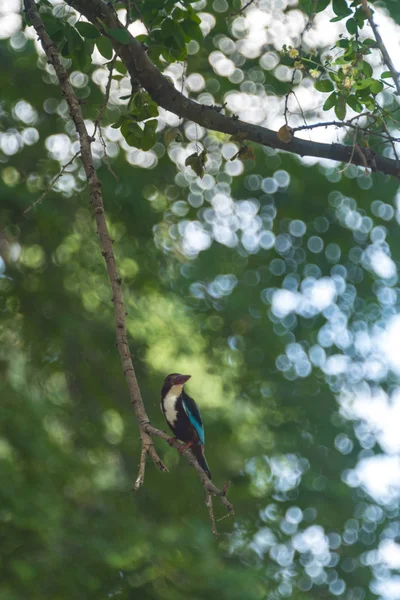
198,451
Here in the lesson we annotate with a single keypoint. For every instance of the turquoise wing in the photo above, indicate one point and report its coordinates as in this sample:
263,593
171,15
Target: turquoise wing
194,417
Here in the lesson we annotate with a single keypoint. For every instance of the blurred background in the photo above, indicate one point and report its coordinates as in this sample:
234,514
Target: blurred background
273,282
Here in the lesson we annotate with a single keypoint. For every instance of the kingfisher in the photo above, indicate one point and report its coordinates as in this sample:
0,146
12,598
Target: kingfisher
183,416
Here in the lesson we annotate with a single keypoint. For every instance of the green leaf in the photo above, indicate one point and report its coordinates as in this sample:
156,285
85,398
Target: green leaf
178,14
196,161
52,24
366,68
143,107
167,27
119,122
191,30
340,108
179,38
386,75
376,87
324,85
64,49
152,109
120,67
149,137
121,35
330,101
104,46
354,103
75,42
343,43
370,43
321,5
83,56
196,19
352,26
133,134
87,30
364,83
360,17
151,126
340,8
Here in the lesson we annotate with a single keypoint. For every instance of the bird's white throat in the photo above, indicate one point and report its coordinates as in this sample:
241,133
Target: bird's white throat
170,402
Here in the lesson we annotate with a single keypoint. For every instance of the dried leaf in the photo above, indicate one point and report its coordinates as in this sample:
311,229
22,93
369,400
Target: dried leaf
285,134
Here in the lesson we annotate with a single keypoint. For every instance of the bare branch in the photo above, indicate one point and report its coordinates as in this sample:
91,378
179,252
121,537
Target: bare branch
50,186
392,143
306,28
241,10
164,93
97,123
105,241
142,466
211,513
386,56
352,154
362,155
106,97
388,138
128,20
205,481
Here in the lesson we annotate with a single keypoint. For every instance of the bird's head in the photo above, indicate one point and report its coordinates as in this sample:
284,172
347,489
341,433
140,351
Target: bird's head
175,383
176,379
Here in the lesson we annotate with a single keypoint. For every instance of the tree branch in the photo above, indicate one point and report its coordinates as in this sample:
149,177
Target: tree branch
206,483
146,430
211,513
97,123
386,56
53,181
388,138
164,93
105,241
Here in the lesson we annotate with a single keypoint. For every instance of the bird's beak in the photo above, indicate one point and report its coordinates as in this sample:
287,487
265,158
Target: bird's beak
181,379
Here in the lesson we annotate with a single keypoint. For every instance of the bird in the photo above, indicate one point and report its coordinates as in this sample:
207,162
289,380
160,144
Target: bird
183,416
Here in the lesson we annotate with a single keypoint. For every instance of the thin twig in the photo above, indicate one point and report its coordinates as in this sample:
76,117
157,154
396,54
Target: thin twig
106,158
241,10
106,97
49,187
307,26
300,109
347,165
363,157
97,123
211,513
128,13
385,54
392,143
286,108
142,466
387,137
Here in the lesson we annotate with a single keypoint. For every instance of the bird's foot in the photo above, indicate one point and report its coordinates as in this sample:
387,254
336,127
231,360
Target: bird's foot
171,441
184,446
